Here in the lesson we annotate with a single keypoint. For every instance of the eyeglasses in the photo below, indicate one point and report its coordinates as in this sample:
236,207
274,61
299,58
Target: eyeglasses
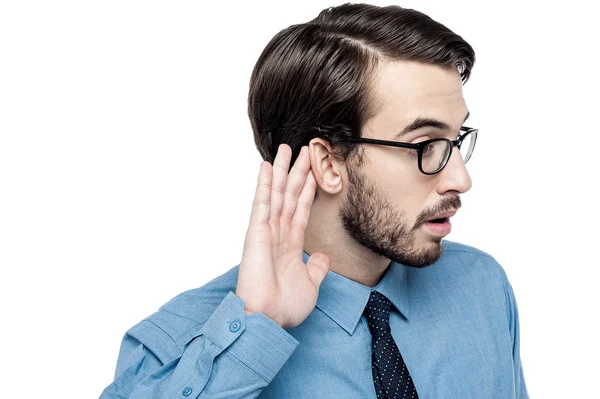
433,155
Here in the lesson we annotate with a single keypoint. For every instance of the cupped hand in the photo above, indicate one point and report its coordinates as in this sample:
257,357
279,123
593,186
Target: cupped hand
273,278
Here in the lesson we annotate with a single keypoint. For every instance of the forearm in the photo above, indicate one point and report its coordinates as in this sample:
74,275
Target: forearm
232,355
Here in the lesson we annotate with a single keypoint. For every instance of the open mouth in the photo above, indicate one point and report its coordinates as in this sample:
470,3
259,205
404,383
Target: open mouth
438,221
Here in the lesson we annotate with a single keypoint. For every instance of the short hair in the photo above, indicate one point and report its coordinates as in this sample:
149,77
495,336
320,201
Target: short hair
314,79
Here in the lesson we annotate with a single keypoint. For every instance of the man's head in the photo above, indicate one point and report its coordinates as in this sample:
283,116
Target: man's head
366,71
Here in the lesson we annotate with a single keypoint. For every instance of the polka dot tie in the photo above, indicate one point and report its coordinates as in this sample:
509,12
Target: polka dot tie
390,374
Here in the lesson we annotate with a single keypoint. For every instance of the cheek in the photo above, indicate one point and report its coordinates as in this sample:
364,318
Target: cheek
411,200
406,187
390,172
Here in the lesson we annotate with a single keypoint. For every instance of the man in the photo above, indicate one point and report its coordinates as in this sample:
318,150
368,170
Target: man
346,287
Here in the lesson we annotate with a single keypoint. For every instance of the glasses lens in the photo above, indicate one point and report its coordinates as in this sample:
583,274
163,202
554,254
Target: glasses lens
435,156
467,145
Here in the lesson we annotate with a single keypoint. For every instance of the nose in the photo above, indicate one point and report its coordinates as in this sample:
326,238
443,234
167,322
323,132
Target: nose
454,176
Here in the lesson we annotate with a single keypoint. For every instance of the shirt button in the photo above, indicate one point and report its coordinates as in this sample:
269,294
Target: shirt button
187,391
235,326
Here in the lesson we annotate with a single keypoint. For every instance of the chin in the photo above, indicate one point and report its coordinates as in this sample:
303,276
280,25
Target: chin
422,255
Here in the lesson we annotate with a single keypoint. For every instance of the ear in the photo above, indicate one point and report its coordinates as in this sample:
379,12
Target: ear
326,169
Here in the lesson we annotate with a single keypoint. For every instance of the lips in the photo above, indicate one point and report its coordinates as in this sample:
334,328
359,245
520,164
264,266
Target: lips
442,217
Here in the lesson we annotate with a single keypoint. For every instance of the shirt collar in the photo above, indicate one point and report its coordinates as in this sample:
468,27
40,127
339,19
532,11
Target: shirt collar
344,300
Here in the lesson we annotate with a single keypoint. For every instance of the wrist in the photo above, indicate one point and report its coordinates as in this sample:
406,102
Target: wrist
248,312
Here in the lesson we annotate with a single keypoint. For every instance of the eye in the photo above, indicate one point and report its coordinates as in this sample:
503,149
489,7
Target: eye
412,151
428,148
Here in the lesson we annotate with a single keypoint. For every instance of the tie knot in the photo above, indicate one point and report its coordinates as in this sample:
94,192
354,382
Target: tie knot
378,313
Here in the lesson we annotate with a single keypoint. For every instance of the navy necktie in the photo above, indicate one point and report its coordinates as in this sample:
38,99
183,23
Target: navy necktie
390,375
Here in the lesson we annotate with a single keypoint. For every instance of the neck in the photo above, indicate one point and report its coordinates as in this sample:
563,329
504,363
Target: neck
325,233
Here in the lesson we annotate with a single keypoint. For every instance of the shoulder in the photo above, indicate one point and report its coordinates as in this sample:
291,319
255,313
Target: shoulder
176,322
196,303
461,270
452,248
471,262
483,277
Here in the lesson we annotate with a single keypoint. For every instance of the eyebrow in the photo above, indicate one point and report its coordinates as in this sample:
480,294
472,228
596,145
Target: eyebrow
426,122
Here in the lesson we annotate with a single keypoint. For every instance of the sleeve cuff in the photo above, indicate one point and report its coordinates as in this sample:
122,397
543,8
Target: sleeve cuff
255,340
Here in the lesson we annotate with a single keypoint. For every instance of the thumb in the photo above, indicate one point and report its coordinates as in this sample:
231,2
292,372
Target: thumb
317,267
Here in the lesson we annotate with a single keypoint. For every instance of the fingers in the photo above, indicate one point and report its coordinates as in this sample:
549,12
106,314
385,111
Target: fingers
279,194
296,182
305,201
262,196
281,167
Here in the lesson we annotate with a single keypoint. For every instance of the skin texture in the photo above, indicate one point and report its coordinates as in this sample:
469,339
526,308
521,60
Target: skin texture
383,203
367,213
272,277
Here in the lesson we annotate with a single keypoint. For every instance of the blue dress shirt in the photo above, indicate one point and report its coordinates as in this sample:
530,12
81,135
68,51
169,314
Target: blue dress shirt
455,323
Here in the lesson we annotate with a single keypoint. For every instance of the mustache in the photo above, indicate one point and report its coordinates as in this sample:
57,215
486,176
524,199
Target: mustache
445,205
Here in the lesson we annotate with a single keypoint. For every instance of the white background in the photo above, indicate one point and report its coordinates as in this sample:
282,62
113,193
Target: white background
127,171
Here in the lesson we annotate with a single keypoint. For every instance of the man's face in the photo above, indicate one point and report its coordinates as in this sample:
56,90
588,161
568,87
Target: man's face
388,199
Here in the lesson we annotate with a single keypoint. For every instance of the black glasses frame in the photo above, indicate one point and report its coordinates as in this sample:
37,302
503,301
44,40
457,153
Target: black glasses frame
419,147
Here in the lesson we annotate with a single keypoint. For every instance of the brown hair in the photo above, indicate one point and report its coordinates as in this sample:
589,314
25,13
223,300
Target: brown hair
313,79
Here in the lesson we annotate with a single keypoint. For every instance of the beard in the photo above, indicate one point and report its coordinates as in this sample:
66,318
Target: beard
374,222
